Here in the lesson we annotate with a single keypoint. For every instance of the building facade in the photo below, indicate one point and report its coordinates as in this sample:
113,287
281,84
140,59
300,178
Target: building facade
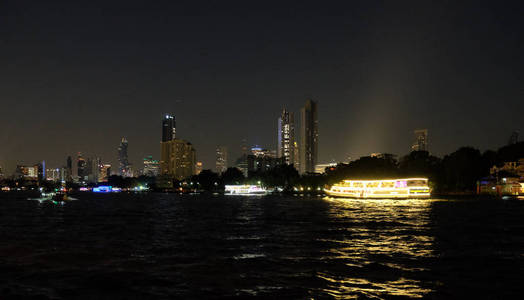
168,128
221,159
124,167
179,159
308,137
421,140
286,137
151,167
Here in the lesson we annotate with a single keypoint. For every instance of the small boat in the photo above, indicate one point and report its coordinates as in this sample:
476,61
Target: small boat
405,188
245,190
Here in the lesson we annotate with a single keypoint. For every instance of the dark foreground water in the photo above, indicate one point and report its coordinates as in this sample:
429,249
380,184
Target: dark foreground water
161,246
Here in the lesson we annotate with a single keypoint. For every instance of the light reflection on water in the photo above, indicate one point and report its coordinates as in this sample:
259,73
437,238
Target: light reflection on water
383,234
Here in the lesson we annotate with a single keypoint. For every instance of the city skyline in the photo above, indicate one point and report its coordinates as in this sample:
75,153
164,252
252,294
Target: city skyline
377,70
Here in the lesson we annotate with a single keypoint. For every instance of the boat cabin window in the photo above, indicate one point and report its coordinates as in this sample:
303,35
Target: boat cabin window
388,184
417,183
373,184
358,184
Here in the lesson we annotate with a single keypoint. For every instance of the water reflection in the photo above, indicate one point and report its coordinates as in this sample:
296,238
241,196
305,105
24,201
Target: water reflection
384,245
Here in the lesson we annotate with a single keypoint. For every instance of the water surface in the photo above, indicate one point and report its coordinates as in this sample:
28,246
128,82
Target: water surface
162,246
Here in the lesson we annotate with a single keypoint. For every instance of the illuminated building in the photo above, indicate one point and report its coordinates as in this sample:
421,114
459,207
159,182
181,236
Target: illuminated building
261,160
221,159
391,188
27,172
1,173
198,167
286,137
511,167
179,159
151,167
168,128
421,140
104,171
124,168
168,134
53,174
308,137
296,156
241,162
81,167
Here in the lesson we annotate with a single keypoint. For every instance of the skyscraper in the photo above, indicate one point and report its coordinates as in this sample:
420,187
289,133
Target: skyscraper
81,165
421,140
221,159
69,169
286,137
308,137
168,128
168,134
181,159
123,161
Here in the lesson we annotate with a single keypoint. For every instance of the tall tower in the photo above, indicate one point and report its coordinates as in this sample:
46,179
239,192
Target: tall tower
168,134
123,160
81,164
221,159
286,137
421,140
308,137
168,128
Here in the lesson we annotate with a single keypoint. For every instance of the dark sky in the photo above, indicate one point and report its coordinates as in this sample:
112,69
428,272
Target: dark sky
79,75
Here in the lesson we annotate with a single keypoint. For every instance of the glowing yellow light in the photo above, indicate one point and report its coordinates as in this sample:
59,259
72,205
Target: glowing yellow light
389,188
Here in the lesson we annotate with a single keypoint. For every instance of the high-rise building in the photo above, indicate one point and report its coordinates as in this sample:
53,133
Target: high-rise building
180,159
168,134
221,159
421,140
296,156
308,137
69,169
104,171
81,167
262,160
27,172
168,128
286,137
123,160
151,167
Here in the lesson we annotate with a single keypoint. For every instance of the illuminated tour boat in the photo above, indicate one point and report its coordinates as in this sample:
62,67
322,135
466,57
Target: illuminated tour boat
380,189
245,190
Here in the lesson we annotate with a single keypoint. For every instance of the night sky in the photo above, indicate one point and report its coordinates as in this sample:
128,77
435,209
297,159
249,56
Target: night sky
80,75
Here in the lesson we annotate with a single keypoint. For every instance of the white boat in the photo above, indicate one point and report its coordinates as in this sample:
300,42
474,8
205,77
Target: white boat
245,190
380,189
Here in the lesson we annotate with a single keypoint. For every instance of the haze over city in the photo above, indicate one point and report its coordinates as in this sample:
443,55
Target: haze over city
79,76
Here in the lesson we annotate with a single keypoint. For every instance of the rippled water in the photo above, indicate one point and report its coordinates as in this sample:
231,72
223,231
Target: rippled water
163,246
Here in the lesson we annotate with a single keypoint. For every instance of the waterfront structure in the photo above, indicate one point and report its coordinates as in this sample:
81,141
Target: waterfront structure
168,128
221,159
245,190
391,188
286,137
421,140
81,167
151,167
308,137
515,168
124,168
179,159
198,167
